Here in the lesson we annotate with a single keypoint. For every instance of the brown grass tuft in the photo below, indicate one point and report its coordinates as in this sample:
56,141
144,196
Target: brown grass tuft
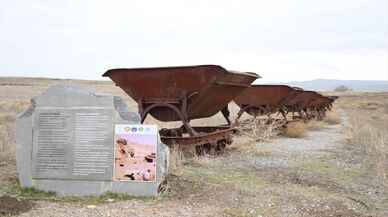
250,148
3,138
369,105
6,118
315,125
7,147
295,129
202,160
385,107
20,106
13,106
332,118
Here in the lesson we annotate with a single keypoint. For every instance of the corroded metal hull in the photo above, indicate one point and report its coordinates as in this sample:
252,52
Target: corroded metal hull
183,94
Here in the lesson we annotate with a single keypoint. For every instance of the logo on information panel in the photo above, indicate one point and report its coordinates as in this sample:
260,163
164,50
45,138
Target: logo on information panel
127,129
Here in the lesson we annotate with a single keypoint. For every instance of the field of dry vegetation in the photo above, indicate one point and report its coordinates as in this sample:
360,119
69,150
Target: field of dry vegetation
335,167
367,132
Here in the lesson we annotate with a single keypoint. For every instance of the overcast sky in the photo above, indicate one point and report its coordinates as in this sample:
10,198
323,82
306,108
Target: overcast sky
280,40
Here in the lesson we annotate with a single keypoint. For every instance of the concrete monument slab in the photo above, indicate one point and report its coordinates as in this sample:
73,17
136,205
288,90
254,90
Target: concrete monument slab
66,143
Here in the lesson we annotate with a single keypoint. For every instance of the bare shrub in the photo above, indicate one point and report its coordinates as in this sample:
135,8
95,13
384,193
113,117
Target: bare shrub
253,131
176,160
315,125
260,130
295,129
332,118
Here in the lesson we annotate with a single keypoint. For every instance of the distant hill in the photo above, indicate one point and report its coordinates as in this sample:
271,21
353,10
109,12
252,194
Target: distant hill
317,84
330,84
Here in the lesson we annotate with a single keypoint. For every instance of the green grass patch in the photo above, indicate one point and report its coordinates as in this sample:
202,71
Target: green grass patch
108,197
15,190
241,212
318,167
332,170
235,212
32,193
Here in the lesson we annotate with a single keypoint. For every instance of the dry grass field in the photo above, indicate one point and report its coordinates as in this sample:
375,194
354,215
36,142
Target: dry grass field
337,168
367,132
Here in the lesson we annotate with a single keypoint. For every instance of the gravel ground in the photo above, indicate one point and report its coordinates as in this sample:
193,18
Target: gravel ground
315,144
117,209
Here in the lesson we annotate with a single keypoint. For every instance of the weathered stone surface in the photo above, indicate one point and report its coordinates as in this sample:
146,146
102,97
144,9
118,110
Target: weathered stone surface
65,144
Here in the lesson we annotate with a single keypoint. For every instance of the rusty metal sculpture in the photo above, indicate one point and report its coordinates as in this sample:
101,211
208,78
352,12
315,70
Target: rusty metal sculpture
183,94
318,107
271,99
262,99
298,101
308,104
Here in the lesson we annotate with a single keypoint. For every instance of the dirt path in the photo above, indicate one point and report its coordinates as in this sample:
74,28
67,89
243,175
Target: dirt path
285,152
290,177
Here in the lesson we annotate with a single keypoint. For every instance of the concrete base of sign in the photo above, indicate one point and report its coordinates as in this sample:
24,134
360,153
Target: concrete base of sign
66,97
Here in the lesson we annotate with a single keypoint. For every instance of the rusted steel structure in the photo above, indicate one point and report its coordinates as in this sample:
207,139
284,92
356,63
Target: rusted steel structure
298,101
317,108
262,99
308,104
182,94
269,99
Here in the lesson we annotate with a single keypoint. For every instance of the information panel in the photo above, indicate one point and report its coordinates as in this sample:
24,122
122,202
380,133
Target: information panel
135,153
73,143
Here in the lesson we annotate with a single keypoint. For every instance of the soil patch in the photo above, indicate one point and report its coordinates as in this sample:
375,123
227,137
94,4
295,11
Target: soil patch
10,206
